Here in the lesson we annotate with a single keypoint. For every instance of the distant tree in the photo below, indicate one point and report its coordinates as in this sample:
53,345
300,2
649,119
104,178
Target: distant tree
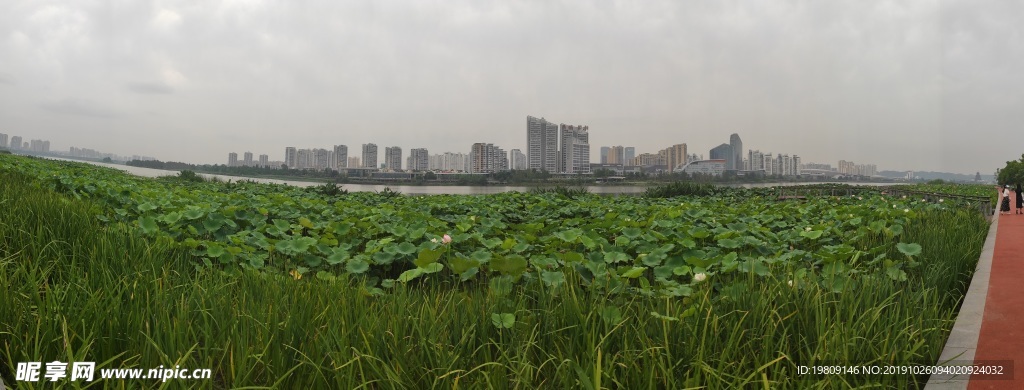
107,160
603,172
1012,173
429,176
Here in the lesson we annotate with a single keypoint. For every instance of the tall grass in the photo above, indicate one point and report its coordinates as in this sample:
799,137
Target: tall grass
74,290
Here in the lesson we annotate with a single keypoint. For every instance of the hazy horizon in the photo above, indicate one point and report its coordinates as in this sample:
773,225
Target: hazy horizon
923,86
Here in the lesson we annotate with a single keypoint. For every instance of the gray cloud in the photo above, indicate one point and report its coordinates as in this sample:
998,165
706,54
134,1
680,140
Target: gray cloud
150,88
904,85
76,107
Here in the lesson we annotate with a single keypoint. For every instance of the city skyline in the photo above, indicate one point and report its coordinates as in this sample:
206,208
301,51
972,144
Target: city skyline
672,158
908,86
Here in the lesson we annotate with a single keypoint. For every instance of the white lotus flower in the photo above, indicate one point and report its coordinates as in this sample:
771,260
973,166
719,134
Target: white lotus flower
940,200
433,240
699,277
807,228
906,210
790,283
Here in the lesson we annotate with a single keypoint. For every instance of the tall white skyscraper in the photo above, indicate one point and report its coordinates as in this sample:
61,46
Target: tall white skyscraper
369,156
340,157
291,157
574,156
541,144
393,158
419,160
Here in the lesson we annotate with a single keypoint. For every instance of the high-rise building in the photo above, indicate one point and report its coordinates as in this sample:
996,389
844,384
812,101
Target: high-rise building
3,140
393,158
232,159
616,155
291,157
369,155
541,144
517,160
724,152
353,162
264,161
321,159
769,164
487,158
449,162
628,154
306,159
16,142
756,159
648,160
604,154
247,159
419,160
674,157
574,156
737,152
340,157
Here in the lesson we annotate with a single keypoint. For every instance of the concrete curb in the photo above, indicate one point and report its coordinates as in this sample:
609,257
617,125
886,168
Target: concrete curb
963,338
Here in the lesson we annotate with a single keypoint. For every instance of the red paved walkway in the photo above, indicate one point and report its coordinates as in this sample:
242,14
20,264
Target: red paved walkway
1002,326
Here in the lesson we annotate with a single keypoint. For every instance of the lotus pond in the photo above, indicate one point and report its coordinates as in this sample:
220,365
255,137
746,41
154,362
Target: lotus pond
733,289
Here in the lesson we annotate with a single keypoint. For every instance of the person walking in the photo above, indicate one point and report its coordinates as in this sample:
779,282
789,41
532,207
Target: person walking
1020,199
1004,207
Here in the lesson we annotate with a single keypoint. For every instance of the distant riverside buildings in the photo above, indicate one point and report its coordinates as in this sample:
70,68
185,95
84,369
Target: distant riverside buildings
629,153
264,161
449,162
713,167
419,160
3,140
393,158
723,152
604,154
737,152
541,144
369,155
232,159
16,142
353,161
557,148
574,154
487,158
674,157
339,159
648,160
517,160
616,155
849,168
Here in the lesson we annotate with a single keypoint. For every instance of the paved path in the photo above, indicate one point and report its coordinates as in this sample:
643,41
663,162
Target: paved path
990,325
1002,325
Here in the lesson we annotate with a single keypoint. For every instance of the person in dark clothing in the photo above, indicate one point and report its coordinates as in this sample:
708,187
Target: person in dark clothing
1020,199
1004,206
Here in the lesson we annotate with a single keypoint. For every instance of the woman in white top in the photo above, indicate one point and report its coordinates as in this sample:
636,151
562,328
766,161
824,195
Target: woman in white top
1004,208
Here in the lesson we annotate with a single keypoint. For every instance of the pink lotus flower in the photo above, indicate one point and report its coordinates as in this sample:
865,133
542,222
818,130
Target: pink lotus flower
446,239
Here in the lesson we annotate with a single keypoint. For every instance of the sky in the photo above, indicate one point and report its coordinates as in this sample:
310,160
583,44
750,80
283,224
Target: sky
905,85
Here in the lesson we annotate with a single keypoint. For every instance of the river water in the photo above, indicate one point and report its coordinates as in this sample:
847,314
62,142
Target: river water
429,190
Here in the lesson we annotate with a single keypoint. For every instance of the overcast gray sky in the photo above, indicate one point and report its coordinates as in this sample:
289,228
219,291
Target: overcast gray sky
906,85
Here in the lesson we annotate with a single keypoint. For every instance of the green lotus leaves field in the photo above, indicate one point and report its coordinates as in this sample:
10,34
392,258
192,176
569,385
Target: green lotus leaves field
620,244
285,287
